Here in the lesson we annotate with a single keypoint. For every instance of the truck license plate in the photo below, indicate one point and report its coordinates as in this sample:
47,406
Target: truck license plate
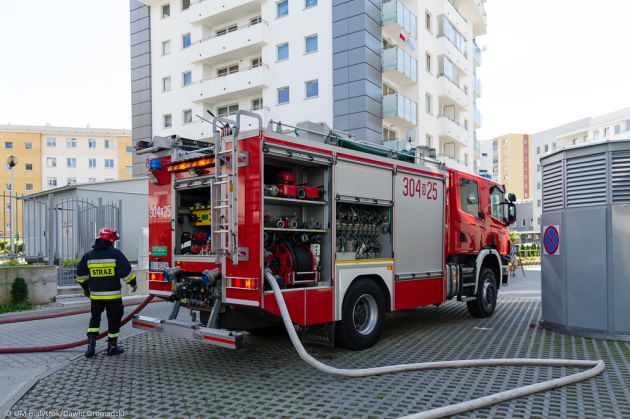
158,266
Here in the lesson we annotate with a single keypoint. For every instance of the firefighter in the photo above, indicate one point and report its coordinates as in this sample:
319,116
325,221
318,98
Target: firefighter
99,272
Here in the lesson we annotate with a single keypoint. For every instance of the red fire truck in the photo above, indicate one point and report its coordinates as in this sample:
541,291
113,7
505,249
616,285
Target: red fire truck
349,230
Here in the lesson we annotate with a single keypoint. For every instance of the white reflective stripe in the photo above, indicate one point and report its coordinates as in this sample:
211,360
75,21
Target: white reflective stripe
128,276
105,292
91,261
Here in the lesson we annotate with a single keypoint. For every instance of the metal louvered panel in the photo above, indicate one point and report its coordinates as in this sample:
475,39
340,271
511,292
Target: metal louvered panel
620,176
586,181
552,187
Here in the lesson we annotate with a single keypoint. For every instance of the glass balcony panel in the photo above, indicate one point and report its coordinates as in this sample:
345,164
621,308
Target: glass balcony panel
396,59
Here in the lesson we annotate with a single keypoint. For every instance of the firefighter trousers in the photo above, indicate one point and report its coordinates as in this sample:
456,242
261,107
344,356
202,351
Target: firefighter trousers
114,309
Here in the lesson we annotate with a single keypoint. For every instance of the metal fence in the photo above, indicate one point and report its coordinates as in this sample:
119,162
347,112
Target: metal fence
60,231
12,208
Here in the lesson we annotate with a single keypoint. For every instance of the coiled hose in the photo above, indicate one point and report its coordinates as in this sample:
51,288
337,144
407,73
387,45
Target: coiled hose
595,368
50,348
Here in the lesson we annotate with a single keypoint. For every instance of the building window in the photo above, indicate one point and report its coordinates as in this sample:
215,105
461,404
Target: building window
91,143
617,129
187,116
427,21
538,168
538,150
466,124
429,104
231,28
166,84
553,146
129,149
429,141
51,142
8,145
72,181
221,72
255,20
28,167
257,104
167,120
71,143
109,163
595,135
627,123
256,62
185,40
310,3
166,10
52,182
185,4
389,134
29,186
187,78
283,95
538,203
311,44
71,162
108,143
522,222
128,170
282,8
606,132
51,162
166,47
227,110
92,163
312,88
28,146
427,59
282,52
546,148
92,180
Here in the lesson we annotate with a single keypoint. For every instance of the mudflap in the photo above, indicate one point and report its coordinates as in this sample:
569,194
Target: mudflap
191,330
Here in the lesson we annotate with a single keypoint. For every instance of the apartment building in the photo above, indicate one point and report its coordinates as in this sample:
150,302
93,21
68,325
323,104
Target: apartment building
399,70
50,157
508,161
609,127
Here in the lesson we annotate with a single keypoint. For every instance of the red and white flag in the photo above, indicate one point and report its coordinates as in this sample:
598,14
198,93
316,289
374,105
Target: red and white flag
404,36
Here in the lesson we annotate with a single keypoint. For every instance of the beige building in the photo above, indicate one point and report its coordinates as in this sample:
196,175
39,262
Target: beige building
512,163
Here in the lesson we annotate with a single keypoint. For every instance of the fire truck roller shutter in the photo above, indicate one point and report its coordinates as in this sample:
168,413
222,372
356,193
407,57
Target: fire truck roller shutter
363,181
418,225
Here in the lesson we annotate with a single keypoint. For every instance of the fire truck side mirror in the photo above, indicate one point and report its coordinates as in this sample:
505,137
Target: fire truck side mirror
511,213
511,197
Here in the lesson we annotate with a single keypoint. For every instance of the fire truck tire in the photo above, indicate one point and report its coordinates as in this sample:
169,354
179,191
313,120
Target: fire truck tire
363,314
486,300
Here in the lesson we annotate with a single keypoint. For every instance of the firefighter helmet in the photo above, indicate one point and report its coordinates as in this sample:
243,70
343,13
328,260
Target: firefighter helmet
108,234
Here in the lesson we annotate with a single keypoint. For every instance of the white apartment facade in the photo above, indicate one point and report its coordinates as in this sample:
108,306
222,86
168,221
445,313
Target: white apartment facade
609,127
84,155
399,70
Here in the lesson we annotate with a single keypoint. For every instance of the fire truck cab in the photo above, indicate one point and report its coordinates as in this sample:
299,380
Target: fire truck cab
349,230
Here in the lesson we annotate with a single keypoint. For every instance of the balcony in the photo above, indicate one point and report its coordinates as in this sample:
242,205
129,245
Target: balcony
211,12
401,67
446,48
477,120
452,162
477,86
246,81
451,93
244,41
475,14
450,129
396,16
477,54
400,111
448,31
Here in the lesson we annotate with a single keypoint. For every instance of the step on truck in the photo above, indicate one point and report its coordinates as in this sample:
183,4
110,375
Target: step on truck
350,231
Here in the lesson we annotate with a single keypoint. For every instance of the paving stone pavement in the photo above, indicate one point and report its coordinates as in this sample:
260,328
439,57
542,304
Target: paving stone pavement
168,377
17,369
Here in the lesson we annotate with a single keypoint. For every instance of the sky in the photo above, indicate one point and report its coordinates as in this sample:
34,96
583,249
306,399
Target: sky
547,62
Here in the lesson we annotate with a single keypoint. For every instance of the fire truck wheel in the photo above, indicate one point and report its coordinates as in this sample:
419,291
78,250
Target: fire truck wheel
486,300
363,313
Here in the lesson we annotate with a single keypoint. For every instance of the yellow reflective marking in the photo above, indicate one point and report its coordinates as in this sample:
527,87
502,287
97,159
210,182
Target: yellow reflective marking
101,272
105,297
101,265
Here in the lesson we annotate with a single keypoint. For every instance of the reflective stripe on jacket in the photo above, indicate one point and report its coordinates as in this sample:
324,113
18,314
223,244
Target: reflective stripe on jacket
101,270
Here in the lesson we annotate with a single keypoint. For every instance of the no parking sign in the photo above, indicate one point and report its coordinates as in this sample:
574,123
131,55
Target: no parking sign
551,240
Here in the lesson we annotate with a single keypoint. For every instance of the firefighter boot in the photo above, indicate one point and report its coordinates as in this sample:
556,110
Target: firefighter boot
113,348
91,347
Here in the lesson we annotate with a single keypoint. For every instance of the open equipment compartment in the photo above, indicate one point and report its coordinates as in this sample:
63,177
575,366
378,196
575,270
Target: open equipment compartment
192,221
297,214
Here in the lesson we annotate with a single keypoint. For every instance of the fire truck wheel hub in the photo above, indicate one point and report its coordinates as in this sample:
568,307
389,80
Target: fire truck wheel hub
489,294
365,314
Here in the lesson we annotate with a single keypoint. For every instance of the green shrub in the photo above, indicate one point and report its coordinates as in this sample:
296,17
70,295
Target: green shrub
19,291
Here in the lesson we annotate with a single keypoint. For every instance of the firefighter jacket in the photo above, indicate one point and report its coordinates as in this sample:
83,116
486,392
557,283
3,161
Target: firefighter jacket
101,270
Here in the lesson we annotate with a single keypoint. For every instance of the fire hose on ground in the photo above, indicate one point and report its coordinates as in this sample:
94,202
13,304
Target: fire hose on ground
50,348
596,368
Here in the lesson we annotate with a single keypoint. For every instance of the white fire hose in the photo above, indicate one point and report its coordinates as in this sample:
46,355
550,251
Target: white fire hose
596,367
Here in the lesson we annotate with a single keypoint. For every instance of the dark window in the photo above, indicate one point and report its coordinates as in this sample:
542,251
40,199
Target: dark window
469,196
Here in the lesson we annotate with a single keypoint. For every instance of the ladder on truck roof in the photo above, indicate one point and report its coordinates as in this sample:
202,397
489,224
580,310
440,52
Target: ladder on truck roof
224,188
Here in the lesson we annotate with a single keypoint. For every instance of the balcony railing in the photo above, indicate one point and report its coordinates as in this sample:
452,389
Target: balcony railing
477,118
400,109
395,59
228,32
248,79
477,87
477,52
237,43
394,12
447,30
